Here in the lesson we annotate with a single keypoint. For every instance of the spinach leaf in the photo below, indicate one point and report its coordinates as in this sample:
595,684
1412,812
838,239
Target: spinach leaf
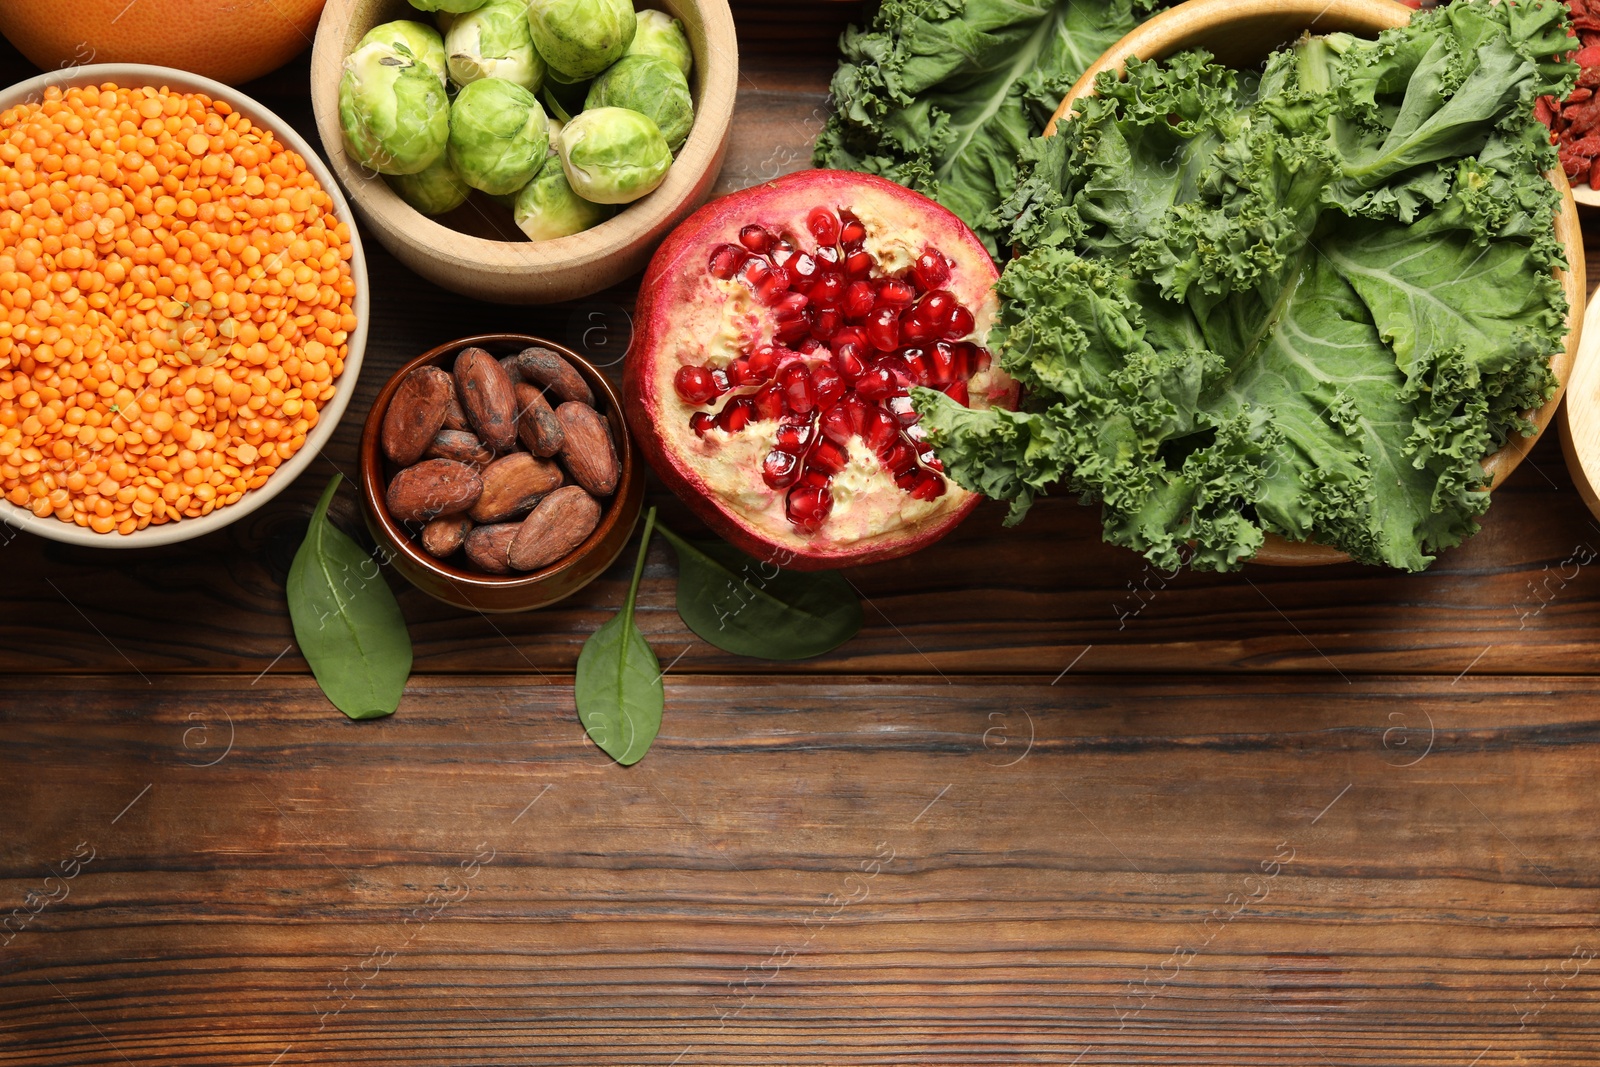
618,686
346,620
755,609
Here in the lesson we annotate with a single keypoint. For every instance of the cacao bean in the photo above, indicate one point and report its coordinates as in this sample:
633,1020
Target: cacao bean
487,398
544,367
558,525
512,484
589,452
444,535
433,487
416,412
461,446
488,547
537,425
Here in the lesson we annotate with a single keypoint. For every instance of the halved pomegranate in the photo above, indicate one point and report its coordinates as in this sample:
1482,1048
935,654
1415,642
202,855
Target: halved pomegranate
778,335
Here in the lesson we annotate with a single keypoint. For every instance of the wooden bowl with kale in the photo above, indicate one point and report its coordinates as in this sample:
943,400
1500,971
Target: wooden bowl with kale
1303,303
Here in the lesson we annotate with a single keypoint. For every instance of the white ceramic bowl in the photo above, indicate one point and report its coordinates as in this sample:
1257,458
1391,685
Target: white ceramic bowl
137,74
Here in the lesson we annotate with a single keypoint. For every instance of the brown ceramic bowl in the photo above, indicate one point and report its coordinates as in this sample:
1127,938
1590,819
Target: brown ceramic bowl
475,590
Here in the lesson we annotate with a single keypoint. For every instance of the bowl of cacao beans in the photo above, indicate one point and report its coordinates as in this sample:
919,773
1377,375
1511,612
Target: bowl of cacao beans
498,474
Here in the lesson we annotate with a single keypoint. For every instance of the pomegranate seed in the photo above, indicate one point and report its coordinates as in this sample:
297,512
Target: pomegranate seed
694,385
976,359
790,305
808,506
762,363
961,324
780,469
836,425
882,433
876,384
790,331
795,381
774,287
957,391
858,300
901,458
915,328
899,369
768,402
900,407
737,415
937,307
719,379
795,433
943,367
917,364
860,415
782,251
931,270
828,290
858,264
852,234
811,346
895,293
726,261
824,226
802,270
754,271
828,259
928,486
847,361
828,456
826,322
849,335
883,329
907,478
756,239
826,384
737,371
700,422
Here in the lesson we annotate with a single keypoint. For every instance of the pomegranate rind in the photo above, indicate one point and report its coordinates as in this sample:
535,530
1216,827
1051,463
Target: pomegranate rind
685,316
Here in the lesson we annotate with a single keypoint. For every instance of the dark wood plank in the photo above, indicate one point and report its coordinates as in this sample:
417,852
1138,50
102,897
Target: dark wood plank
1391,871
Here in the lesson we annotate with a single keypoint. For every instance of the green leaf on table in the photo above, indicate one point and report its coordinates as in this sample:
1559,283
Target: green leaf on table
346,620
618,686
750,608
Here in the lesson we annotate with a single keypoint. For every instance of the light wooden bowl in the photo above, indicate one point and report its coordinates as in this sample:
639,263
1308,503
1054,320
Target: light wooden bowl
476,250
1241,33
1580,415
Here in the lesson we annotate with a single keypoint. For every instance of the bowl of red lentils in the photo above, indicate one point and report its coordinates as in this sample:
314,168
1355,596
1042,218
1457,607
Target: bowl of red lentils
183,305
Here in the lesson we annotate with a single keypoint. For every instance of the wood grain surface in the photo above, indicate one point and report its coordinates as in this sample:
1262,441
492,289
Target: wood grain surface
1051,806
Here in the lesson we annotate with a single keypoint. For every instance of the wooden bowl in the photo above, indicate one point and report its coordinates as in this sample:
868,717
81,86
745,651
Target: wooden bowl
475,590
1241,35
1580,415
137,74
477,250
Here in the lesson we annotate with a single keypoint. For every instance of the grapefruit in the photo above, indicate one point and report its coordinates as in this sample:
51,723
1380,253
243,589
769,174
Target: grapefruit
232,41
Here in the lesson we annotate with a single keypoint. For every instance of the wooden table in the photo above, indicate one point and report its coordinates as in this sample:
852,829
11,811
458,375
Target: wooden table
1049,807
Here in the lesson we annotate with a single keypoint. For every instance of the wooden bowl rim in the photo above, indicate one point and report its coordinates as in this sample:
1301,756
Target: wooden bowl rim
373,489
716,75
1171,30
128,75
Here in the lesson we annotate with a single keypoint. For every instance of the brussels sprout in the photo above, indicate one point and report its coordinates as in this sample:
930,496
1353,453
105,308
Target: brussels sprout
417,39
434,190
612,155
494,42
453,7
393,109
652,87
547,207
498,135
580,38
662,36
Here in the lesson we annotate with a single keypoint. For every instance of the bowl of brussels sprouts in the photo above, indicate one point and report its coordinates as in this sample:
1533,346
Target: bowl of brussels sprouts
524,151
